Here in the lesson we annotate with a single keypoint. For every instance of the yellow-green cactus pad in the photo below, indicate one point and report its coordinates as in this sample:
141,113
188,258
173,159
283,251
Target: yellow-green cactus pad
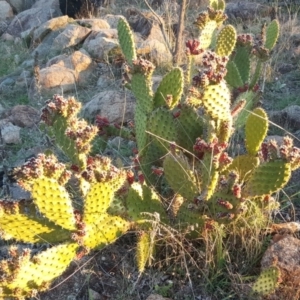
143,199
244,165
272,34
206,35
180,176
141,87
267,179
267,281
144,250
102,230
256,130
170,86
226,41
100,195
216,101
126,40
36,273
53,202
30,229
233,76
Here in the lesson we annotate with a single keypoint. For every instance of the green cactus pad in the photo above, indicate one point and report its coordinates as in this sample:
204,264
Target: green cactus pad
267,179
233,76
53,202
272,34
206,35
216,101
140,120
162,127
39,271
171,84
144,250
244,165
267,281
226,41
126,40
117,207
180,176
141,87
256,75
242,61
189,126
256,130
221,5
102,230
143,199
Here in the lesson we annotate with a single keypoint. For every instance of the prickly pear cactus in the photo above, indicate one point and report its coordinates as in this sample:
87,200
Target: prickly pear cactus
266,282
51,217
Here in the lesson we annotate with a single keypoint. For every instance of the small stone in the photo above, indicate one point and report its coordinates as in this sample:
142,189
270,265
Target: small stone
10,134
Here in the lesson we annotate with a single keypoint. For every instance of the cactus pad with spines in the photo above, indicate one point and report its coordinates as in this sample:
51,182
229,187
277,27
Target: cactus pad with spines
144,250
233,76
126,40
189,127
267,281
256,130
102,230
171,85
140,119
226,41
53,202
143,199
207,33
242,61
34,229
244,165
181,176
267,179
272,34
216,101
141,87
162,127
36,273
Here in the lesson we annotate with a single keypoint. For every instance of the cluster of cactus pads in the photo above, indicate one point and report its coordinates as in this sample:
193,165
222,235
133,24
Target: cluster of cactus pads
182,131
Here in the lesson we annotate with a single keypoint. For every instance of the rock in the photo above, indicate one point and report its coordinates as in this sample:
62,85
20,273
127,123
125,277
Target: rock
158,52
6,11
7,37
112,20
94,24
288,117
247,10
71,36
17,193
49,26
110,104
23,81
100,47
24,116
20,5
94,295
7,82
57,79
79,61
284,254
10,133
27,20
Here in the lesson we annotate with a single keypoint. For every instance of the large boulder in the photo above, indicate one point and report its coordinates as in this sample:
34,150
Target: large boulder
63,73
6,11
41,11
20,5
115,105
